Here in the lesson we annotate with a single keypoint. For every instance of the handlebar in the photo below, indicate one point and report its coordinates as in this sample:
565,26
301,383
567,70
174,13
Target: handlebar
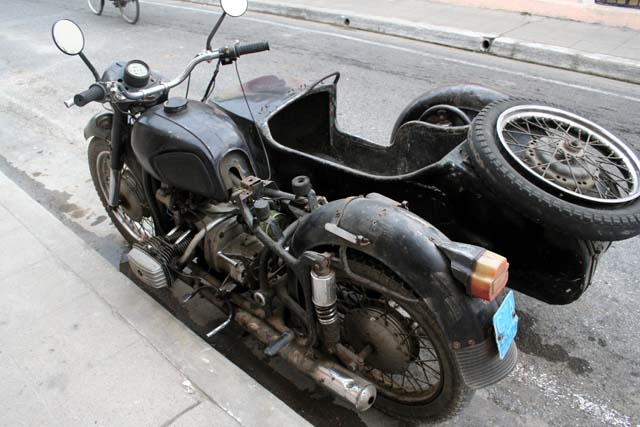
163,87
94,93
228,53
238,50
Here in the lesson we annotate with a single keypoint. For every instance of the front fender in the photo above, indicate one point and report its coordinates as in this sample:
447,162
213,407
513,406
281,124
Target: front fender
405,243
99,126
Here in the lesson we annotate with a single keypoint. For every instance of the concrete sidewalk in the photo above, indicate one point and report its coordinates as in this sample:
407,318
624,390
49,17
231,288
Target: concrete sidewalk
81,345
601,50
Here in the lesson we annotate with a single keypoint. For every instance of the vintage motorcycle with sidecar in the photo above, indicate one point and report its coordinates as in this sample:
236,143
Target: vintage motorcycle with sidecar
254,199
543,186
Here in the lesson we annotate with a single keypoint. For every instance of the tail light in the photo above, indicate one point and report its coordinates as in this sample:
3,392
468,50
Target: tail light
489,276
484,273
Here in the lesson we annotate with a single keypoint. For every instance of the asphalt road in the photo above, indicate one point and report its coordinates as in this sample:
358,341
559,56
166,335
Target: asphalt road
579,364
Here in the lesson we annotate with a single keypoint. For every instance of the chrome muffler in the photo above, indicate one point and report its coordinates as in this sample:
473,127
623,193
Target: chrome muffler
344,383
333,377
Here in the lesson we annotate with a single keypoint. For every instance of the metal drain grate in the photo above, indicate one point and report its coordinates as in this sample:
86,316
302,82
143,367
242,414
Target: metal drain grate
635,4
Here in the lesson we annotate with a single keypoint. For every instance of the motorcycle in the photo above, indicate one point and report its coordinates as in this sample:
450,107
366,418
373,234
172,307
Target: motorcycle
253,200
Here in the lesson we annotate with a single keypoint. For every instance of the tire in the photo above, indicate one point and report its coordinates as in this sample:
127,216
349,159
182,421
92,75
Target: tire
129,10
98,149
96,6
452,395
512,183
471,99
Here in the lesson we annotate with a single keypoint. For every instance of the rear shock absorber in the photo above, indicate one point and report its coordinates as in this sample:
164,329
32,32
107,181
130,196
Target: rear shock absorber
325,301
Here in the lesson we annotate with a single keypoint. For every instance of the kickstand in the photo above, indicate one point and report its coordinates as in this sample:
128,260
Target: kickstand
225,323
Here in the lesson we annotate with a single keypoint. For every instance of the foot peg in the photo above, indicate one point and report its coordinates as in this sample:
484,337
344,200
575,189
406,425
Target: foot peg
225,323
278,344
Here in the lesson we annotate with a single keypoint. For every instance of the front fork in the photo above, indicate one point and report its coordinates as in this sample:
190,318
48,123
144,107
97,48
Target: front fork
117,157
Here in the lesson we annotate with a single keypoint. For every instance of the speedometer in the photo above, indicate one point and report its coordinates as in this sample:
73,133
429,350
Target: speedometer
136,73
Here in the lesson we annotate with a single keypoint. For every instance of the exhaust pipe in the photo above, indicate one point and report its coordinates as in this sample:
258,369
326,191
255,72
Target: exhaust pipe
352,388
333,377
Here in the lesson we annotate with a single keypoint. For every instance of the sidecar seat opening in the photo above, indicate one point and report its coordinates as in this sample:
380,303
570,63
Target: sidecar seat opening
304,124
309,125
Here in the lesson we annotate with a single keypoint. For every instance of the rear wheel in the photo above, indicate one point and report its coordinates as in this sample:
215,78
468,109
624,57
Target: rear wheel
131,217
130,10
96,6
409,359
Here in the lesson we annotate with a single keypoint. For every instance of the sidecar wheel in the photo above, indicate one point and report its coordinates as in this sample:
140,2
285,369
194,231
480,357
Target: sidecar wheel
558,169
469,99
412,364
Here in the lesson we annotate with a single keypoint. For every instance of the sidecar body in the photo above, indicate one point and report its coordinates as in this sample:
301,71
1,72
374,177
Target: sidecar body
425,164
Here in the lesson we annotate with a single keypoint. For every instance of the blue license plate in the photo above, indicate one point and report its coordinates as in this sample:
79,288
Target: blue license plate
505,324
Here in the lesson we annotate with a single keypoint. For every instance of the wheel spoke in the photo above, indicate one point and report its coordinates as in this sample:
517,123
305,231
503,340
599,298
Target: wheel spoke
430,368
608,172
573,175
596,181
420,375
551,162
563,140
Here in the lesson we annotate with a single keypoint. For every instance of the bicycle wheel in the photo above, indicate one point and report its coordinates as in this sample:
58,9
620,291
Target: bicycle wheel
96,6
130,10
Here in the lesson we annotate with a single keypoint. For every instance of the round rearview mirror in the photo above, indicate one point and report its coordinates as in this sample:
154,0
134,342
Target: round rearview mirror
234,7
67,36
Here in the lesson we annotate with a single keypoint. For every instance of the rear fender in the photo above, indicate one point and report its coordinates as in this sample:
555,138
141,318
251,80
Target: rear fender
406,244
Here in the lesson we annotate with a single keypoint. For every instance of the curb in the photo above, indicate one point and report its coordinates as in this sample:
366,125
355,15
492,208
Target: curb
492,44
205,369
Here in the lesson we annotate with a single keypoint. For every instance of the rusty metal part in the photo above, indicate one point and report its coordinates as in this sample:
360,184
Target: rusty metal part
393,348
345,235
198,238
290,303
215,284
566,167
333,377
349,358
369,284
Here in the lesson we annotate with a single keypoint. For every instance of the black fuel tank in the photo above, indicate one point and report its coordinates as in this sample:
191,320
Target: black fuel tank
191,148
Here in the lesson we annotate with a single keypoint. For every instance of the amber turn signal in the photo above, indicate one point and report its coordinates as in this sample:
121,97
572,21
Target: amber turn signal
489,277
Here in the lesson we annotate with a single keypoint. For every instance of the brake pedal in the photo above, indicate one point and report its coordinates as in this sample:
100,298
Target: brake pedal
279,344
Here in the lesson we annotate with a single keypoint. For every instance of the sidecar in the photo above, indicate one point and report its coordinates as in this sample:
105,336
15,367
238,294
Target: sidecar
427,164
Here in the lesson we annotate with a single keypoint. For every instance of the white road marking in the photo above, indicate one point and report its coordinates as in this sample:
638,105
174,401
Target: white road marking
554,390
412,51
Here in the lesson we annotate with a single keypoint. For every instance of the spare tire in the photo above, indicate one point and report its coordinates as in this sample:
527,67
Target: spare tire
557,169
